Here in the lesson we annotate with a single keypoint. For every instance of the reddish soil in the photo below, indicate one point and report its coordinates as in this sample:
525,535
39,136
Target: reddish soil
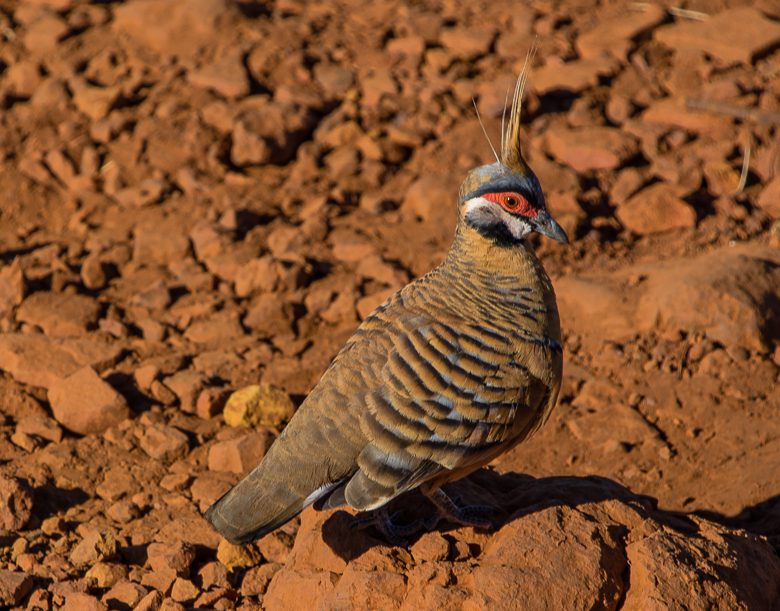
200,195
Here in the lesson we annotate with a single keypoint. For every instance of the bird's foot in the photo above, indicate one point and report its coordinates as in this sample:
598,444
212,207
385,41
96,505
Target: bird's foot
385,523
450,510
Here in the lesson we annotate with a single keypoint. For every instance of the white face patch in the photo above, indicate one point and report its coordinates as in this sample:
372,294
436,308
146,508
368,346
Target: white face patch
482,211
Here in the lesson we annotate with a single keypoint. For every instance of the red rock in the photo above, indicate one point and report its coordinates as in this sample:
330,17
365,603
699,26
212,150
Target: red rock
616,35
206,489
239,455
351,247
259,275
123,512
226,76
161,580
105,575
210,402
152,247
149,191
769,199
377,86
735,35
467,42
334,80
164,443
237,556
186,385
43,35
93,276
195,531
184,591
656,209
22,78
150,602
171,605
366,305
275,547
213,574
177,557
222,326
40,426
16,502
428,196
591,148
179,27
95,547
256,579
84,403
80,601
124,593
430,548
60,314
145,375
95,102
117,482
13,286
573,76
722,177
268,315
672,111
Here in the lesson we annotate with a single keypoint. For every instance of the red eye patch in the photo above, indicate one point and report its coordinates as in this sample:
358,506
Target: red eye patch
512,202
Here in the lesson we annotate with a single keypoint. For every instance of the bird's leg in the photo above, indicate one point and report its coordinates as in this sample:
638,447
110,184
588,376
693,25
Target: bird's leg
385,524
449,510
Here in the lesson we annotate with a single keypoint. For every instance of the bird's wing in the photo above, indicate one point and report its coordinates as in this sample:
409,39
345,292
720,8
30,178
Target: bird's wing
449,393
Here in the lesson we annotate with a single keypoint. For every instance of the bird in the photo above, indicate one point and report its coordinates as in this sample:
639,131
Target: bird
450,372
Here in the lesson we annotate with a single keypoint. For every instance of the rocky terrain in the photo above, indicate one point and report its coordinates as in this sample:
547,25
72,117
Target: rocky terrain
199,196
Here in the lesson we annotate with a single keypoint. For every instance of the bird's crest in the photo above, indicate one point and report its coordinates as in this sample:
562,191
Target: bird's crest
511,157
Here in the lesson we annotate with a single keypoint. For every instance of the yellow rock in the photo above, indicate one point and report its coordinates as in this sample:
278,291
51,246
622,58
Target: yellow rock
237,556
258,405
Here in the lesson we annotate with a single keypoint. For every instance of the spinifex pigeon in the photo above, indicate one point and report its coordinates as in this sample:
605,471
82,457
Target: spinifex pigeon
450,372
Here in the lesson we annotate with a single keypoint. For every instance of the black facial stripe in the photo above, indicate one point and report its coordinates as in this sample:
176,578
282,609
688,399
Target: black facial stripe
492,227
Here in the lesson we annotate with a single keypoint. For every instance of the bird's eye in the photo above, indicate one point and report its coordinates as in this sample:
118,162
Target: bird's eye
511,202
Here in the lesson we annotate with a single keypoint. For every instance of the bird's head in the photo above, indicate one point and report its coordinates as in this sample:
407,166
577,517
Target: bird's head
504,201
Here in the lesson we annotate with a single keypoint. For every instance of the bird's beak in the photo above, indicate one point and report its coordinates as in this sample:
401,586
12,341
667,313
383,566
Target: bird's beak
546,225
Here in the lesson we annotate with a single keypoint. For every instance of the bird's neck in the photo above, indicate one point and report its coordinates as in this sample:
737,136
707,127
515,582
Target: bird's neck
507,277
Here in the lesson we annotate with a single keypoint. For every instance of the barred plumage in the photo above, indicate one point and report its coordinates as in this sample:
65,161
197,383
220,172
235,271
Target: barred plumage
447,374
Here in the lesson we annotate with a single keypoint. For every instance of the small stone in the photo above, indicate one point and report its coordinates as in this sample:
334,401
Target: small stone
13,286
152,330
95,547
467,43
150,602
276,547
84,403
95,102
672,111
175,482
222,326
60,314
22,78
16,502
769,198
616,35
187,386
144,376
430,194
259,275
153,247
256,579
237,556
154,297
162,393
161,580
184,591
123,512
106,575
171,605
656,209
43,35
177,556
54,525
164,443
735,35
211,402
591,148
24,441
124,595
213,574
573,76
239,455
258,405
228,77
80,601
431,547
268,315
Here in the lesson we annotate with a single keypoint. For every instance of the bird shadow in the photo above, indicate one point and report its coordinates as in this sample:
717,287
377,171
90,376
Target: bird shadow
512,496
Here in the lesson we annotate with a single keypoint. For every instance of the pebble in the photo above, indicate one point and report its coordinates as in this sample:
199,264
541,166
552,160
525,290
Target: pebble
150,602
616,36
656,209
237,556
164,443
80,601
177,557
60,314
769,198
573,76
467,43
239,455
124,594
84,403
211,402
591,148
95,102
95,547
16,503
145,375
123,512
187,386
43,35
105,575
227,77
184,591
257,579
735,35
213,574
